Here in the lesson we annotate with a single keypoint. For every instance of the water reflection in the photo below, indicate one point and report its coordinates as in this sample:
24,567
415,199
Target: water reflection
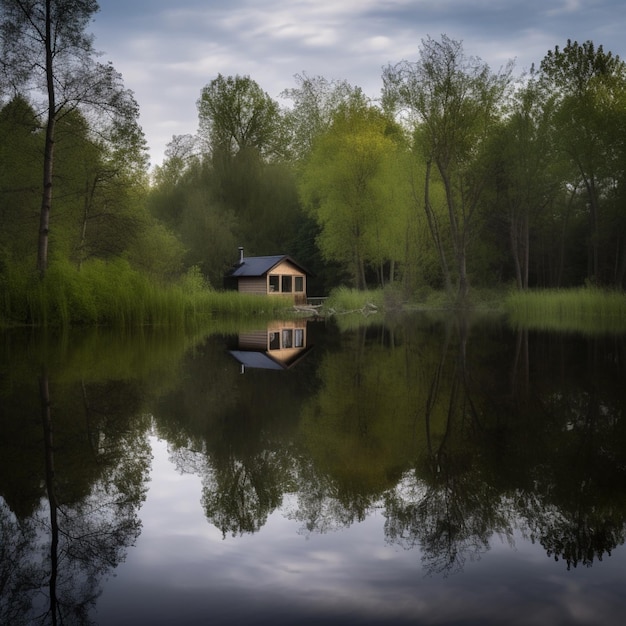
453,432
280,344
75,461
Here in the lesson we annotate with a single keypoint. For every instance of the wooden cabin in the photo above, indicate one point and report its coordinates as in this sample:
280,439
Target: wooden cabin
268,275
279,346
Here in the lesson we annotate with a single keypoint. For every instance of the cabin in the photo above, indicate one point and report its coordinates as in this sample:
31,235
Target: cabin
278,346
268,275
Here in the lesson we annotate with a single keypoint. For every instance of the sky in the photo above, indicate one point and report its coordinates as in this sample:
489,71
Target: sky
167,51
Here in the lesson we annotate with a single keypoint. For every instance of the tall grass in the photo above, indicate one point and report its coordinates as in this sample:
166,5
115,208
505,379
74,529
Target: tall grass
585,310
346,300
114,294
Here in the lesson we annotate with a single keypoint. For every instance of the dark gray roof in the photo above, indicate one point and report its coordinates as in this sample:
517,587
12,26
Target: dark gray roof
260,265
256,360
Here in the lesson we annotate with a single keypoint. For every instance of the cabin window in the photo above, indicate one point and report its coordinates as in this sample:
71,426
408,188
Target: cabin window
298,338
286,284
275,341
287,338
274,283
299,283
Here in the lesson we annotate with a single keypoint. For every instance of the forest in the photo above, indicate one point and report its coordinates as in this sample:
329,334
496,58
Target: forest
457,178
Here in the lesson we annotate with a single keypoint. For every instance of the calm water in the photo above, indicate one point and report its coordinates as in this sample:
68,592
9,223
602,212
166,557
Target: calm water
419,472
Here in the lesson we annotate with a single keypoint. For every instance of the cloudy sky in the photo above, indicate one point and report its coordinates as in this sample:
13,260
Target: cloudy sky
167,50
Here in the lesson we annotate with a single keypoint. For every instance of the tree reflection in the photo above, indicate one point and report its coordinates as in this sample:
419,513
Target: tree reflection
18,573
233,432
244,491
459,429
577,509
87,536
90,457
452,511
355,434
458,432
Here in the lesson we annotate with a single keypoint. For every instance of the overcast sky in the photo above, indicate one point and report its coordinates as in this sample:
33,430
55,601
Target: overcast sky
167,50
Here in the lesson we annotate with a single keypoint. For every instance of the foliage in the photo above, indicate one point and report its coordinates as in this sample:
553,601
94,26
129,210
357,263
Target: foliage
21,143
236,115
588,89
452,178
348,184
346,300
584,310
453,102
114,294
47,51
315,102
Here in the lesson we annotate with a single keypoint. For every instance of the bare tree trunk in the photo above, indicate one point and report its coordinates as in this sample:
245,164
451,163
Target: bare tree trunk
51,489
46,200
526,250
434,231
514,243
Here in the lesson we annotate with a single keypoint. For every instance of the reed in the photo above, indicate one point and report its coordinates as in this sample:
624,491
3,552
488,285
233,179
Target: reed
113,294
586,310
346,300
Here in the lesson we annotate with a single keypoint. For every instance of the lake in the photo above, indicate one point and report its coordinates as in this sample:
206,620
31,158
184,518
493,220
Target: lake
414,470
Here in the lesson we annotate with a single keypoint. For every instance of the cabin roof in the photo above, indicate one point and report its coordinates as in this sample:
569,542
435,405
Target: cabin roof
261,265
256,360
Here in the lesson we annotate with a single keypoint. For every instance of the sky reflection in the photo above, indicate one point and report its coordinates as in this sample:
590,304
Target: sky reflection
182,571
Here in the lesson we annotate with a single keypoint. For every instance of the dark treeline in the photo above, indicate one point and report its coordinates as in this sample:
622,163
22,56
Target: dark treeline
457,176
453,431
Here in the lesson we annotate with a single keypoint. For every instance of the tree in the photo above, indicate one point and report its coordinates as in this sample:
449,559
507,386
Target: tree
236,115
21,143
529,177
588,87
46,50
244,147
452,101
346,184
315,101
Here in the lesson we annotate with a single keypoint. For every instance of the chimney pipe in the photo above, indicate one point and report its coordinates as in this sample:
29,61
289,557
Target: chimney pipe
240,254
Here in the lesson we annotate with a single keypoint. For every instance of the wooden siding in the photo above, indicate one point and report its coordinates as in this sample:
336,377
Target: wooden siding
253,285
253,340
261,339
286,268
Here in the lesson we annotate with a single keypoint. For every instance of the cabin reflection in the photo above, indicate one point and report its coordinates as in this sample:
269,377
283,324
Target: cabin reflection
279,346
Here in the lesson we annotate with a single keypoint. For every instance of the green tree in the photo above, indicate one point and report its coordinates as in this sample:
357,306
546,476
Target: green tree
21,143
243,144
236,115
46,50
453,102
346,185
587,86
315,102
529,179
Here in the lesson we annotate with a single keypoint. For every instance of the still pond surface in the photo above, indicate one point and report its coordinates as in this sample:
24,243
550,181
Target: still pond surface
417,471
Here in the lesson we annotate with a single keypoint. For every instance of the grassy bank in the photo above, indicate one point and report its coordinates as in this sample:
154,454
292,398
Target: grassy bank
115,295
112,294
580,310
346,300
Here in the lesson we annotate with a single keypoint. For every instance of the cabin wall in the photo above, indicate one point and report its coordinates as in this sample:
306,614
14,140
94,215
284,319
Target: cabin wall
287,269
253,285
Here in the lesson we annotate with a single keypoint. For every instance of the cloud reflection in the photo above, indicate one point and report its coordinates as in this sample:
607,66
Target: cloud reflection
183,571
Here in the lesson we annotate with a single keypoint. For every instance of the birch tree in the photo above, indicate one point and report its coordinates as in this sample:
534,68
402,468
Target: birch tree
452,101
47,52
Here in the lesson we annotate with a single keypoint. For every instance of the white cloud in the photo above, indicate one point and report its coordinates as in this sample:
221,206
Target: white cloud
167,54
